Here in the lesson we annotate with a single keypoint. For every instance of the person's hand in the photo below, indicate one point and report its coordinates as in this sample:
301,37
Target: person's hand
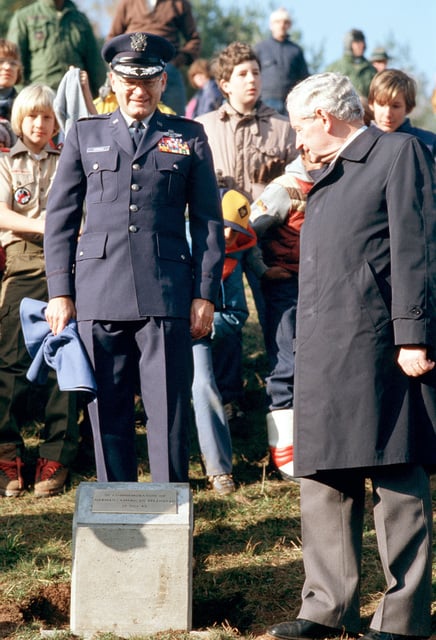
201,318
276,273
414,362
272,168
59,312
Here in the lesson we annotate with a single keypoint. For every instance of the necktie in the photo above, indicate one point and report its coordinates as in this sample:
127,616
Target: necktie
137,132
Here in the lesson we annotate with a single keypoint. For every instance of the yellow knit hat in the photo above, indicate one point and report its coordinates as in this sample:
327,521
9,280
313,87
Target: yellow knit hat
236,210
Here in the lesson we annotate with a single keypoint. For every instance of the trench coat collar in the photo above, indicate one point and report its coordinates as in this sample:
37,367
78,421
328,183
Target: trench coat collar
356,151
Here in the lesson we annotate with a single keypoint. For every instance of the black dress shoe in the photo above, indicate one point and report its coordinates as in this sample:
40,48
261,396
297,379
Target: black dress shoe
383,635
303,630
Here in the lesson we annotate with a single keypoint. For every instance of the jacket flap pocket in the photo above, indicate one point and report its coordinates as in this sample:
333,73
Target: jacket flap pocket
171,248
91,245
104,160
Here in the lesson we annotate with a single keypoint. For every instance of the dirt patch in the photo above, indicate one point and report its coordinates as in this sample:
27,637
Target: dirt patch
10,619
50,605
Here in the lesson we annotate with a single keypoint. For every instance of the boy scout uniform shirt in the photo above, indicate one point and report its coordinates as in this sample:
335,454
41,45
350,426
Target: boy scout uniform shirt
25,183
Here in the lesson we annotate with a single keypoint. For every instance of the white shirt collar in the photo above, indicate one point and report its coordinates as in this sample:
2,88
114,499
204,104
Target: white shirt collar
129,120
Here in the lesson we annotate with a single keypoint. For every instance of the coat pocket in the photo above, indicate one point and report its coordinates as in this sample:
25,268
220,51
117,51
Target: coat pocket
370,292
174,249
91,246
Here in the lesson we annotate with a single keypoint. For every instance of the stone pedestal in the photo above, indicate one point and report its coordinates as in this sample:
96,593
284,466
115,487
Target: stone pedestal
132,558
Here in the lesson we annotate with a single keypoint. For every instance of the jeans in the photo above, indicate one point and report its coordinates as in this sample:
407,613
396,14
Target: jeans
280,319
212,427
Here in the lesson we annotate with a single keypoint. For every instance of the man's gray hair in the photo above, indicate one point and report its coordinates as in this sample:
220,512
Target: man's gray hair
332,92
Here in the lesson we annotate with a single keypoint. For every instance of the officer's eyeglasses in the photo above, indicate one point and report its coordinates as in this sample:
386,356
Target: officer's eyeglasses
9,61
149,83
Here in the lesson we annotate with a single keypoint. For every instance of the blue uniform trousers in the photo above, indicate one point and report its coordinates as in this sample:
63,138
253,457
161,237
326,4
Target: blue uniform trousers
157,353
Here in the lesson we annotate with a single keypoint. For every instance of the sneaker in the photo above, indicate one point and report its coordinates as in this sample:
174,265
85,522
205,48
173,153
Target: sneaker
50,478
222,484
11,479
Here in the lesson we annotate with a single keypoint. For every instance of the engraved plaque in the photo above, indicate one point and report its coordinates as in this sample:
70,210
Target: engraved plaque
132,501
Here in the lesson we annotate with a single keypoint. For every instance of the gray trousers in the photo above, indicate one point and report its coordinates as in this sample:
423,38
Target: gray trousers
332,510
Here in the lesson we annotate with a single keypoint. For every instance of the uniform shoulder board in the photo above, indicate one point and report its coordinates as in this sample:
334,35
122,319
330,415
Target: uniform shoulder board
97,116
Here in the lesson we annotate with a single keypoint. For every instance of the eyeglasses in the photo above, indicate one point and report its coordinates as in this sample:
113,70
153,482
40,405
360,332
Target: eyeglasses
9,61
132,83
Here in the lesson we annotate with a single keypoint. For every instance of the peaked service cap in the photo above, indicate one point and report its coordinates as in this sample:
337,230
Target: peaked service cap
138,55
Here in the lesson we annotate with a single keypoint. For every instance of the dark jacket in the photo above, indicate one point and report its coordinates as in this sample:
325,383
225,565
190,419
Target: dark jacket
132,259
367,286
282,66
427,137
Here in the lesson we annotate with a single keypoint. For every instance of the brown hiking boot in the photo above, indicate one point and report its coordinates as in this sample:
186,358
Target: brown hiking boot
50,478
11,479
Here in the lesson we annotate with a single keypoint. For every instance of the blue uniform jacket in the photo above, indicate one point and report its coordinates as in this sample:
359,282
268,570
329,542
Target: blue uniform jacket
132,259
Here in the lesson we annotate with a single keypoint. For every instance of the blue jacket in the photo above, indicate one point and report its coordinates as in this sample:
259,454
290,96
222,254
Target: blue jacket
64,353
132,259
208,98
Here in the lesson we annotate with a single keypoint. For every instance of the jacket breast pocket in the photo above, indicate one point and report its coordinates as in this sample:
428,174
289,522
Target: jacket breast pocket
169,182
101,170
268,63
39,31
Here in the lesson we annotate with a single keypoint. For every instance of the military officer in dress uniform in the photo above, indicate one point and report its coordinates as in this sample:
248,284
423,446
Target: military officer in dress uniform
139,293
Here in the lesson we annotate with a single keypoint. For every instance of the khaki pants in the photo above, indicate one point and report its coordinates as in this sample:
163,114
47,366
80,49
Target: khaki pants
24,276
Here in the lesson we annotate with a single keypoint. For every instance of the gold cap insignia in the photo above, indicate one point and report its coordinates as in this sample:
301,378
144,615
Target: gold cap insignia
138,41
